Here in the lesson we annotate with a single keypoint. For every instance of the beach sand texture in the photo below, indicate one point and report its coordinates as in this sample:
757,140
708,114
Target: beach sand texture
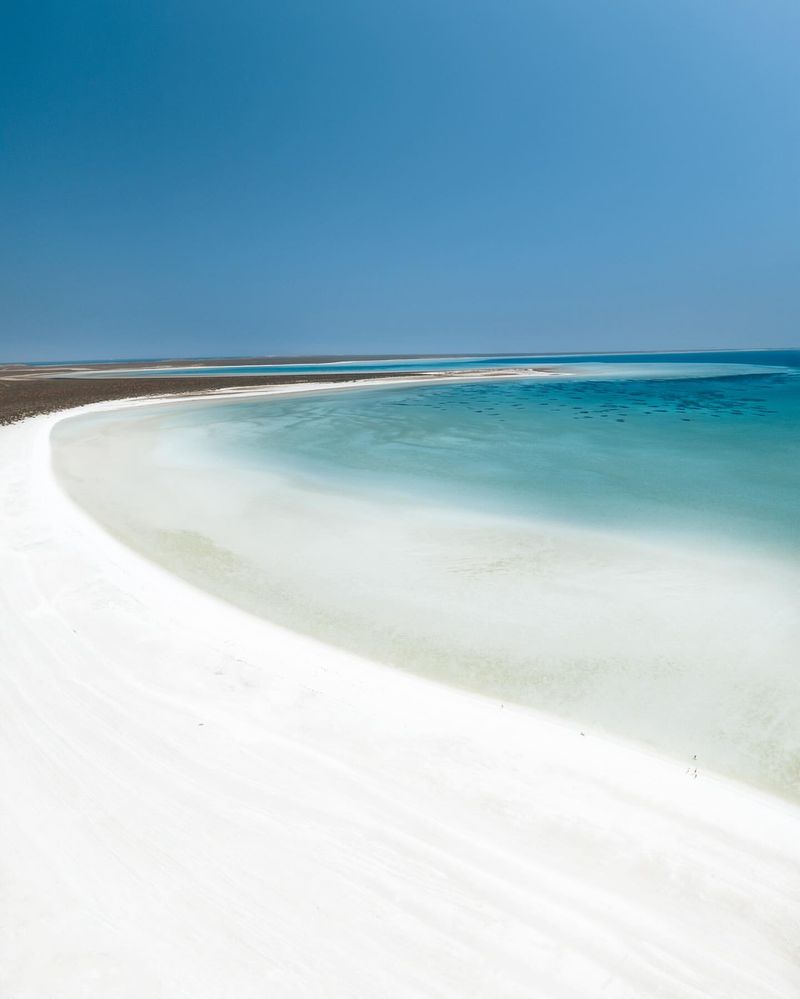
200,803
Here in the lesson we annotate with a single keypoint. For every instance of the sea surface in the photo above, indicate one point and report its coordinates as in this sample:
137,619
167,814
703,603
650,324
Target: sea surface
436,363
616,545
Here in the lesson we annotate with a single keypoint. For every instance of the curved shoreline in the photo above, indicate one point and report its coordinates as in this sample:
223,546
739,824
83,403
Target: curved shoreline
655,635
204,804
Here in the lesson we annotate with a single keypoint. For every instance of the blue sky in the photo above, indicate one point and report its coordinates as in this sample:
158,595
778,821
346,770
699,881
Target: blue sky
198,179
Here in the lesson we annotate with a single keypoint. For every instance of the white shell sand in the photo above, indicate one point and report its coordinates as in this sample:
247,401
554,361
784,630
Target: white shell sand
198,803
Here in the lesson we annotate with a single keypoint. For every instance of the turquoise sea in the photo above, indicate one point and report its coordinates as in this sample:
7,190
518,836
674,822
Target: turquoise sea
617,545
713,455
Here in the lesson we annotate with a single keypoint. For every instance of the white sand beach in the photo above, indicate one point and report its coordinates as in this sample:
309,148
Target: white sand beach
198,803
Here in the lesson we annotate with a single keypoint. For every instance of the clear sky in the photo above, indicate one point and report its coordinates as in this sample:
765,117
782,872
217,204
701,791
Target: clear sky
189,178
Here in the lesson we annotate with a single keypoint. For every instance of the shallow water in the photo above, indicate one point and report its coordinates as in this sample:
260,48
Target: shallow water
698,455
617,547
